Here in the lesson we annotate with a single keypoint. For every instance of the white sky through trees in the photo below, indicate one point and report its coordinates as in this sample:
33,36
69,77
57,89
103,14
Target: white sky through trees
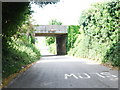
66,11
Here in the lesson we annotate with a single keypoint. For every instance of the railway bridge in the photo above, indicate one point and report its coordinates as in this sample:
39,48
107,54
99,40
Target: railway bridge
58,31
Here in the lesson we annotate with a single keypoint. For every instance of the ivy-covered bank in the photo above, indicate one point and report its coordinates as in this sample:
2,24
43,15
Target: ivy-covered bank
99,36
18,49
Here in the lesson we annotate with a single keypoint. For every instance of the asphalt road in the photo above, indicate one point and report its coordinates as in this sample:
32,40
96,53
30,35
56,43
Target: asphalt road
66,72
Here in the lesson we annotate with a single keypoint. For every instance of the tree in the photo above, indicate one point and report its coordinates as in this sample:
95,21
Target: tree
55,22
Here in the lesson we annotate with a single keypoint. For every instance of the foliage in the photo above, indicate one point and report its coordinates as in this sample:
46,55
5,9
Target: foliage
18,49
99,38
50,40
55,22
18,55
52,48
73,31
13,16
112,54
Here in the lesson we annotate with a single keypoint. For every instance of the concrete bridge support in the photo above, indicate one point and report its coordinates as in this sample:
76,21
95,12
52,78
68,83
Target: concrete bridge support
61,44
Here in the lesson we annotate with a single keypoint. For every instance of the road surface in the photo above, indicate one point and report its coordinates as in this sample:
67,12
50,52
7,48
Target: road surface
66,72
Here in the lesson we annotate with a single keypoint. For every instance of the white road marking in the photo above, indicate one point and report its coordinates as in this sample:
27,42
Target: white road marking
107,74
100,75
87,76
114,76
69,75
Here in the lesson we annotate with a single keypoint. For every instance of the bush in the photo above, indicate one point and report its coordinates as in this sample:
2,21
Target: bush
17,55
50,40
99,38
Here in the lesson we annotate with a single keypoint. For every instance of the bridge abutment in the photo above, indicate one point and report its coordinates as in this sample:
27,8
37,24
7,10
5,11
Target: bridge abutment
61,44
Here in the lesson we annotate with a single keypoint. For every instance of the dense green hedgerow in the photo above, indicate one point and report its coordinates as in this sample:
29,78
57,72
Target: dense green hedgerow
73,32
99,38
18,48
18,55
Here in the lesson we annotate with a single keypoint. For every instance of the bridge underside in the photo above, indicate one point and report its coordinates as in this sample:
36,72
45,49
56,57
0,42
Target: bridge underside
50,34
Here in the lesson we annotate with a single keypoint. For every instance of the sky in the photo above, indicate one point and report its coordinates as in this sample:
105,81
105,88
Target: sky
66,11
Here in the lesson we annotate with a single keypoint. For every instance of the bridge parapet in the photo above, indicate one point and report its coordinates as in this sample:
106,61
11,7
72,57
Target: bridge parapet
58,29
